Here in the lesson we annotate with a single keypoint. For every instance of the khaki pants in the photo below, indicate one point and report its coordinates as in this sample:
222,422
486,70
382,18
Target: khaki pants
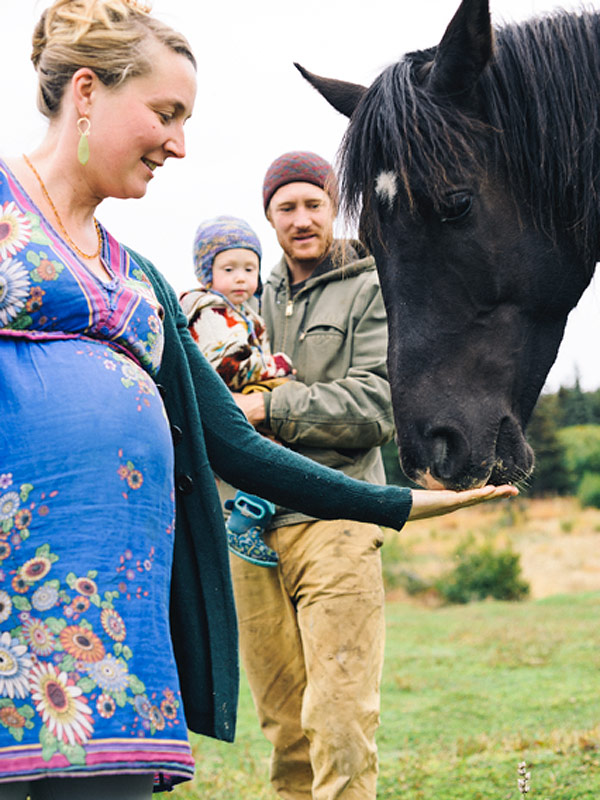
312,639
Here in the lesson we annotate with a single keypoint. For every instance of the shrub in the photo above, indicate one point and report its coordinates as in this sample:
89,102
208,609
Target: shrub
581,445
482,572
589,490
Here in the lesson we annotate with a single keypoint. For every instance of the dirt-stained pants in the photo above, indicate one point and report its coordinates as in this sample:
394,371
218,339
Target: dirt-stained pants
312,640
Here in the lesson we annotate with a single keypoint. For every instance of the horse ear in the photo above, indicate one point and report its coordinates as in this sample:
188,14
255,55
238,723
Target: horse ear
343,96
464,51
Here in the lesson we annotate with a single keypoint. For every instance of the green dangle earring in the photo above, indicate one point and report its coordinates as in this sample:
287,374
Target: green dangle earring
83,148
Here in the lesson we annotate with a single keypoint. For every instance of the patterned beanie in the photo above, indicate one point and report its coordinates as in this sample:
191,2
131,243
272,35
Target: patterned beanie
218,234
299,167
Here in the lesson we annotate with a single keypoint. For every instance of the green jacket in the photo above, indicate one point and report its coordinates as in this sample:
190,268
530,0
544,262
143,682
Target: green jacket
338,412
211,433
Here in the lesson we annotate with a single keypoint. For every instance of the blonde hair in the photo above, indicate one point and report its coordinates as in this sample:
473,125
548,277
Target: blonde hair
108,36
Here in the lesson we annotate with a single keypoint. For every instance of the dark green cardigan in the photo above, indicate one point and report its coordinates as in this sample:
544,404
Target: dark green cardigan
211,435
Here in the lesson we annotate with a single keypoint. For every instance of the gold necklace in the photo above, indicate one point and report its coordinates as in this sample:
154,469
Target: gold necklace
59,220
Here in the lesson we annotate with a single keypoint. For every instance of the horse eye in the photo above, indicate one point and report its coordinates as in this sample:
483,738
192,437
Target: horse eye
456,206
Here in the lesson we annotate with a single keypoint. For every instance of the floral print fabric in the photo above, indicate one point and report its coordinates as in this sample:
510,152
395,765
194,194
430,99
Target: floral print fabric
88,683
233,339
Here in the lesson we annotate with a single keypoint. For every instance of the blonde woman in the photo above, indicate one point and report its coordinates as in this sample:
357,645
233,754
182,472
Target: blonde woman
117,626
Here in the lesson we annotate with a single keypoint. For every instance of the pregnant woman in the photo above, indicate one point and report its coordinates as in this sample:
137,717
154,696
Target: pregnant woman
117,623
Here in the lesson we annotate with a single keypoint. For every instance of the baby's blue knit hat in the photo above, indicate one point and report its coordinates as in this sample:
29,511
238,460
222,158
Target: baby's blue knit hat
218,234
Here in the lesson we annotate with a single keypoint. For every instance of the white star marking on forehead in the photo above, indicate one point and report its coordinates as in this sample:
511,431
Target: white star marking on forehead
386,187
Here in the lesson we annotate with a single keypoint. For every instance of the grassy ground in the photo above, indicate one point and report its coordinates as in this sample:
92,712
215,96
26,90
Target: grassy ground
469,691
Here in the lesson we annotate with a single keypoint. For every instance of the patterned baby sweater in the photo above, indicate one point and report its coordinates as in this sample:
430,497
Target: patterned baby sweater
232,338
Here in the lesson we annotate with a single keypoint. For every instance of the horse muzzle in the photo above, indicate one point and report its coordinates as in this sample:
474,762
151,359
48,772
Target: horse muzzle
445,458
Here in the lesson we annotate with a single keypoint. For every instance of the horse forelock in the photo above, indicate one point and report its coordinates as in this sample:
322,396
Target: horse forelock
536,122
399,135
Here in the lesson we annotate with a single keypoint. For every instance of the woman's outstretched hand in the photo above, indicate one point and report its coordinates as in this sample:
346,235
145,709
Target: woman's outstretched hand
433,502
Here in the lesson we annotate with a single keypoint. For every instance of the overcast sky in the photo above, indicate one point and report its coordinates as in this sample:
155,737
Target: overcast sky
252,105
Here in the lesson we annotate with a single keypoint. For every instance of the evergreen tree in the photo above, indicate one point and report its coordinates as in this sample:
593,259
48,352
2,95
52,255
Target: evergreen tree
550,475
576,406
594,406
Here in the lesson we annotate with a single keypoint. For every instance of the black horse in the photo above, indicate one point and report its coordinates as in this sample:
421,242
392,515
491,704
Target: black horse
476,169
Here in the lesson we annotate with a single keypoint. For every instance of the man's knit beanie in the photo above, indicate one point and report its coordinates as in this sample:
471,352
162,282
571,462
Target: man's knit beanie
218,234
299,166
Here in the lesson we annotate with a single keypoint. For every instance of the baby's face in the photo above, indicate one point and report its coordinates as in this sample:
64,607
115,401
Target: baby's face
235,274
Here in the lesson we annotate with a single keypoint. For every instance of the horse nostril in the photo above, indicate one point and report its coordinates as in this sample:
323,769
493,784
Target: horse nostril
449,454
514,457
440,451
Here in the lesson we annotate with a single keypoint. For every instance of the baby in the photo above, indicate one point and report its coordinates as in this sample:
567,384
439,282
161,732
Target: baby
229,332
232,336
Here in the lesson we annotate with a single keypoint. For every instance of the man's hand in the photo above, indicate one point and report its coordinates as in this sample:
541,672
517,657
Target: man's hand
433,502
253,406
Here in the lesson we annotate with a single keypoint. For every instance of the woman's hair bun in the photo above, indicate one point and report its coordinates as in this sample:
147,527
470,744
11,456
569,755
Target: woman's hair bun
39,40
107,36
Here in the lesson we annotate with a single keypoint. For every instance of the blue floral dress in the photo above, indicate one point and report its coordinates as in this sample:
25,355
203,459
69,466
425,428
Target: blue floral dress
88,683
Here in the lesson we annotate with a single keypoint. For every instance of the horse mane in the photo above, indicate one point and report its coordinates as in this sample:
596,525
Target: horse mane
536,124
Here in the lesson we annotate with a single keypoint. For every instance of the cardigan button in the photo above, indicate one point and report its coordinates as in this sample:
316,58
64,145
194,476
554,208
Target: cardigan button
185,484
176,434
161,390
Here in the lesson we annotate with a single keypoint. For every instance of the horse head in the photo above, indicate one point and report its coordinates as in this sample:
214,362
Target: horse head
465,163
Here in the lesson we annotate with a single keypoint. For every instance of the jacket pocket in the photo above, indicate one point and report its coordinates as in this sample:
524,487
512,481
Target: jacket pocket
320,353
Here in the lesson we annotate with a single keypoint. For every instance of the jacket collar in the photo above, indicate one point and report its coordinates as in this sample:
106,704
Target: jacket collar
352,258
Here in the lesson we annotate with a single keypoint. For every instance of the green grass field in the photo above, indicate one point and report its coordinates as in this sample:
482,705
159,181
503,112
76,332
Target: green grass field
468,693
